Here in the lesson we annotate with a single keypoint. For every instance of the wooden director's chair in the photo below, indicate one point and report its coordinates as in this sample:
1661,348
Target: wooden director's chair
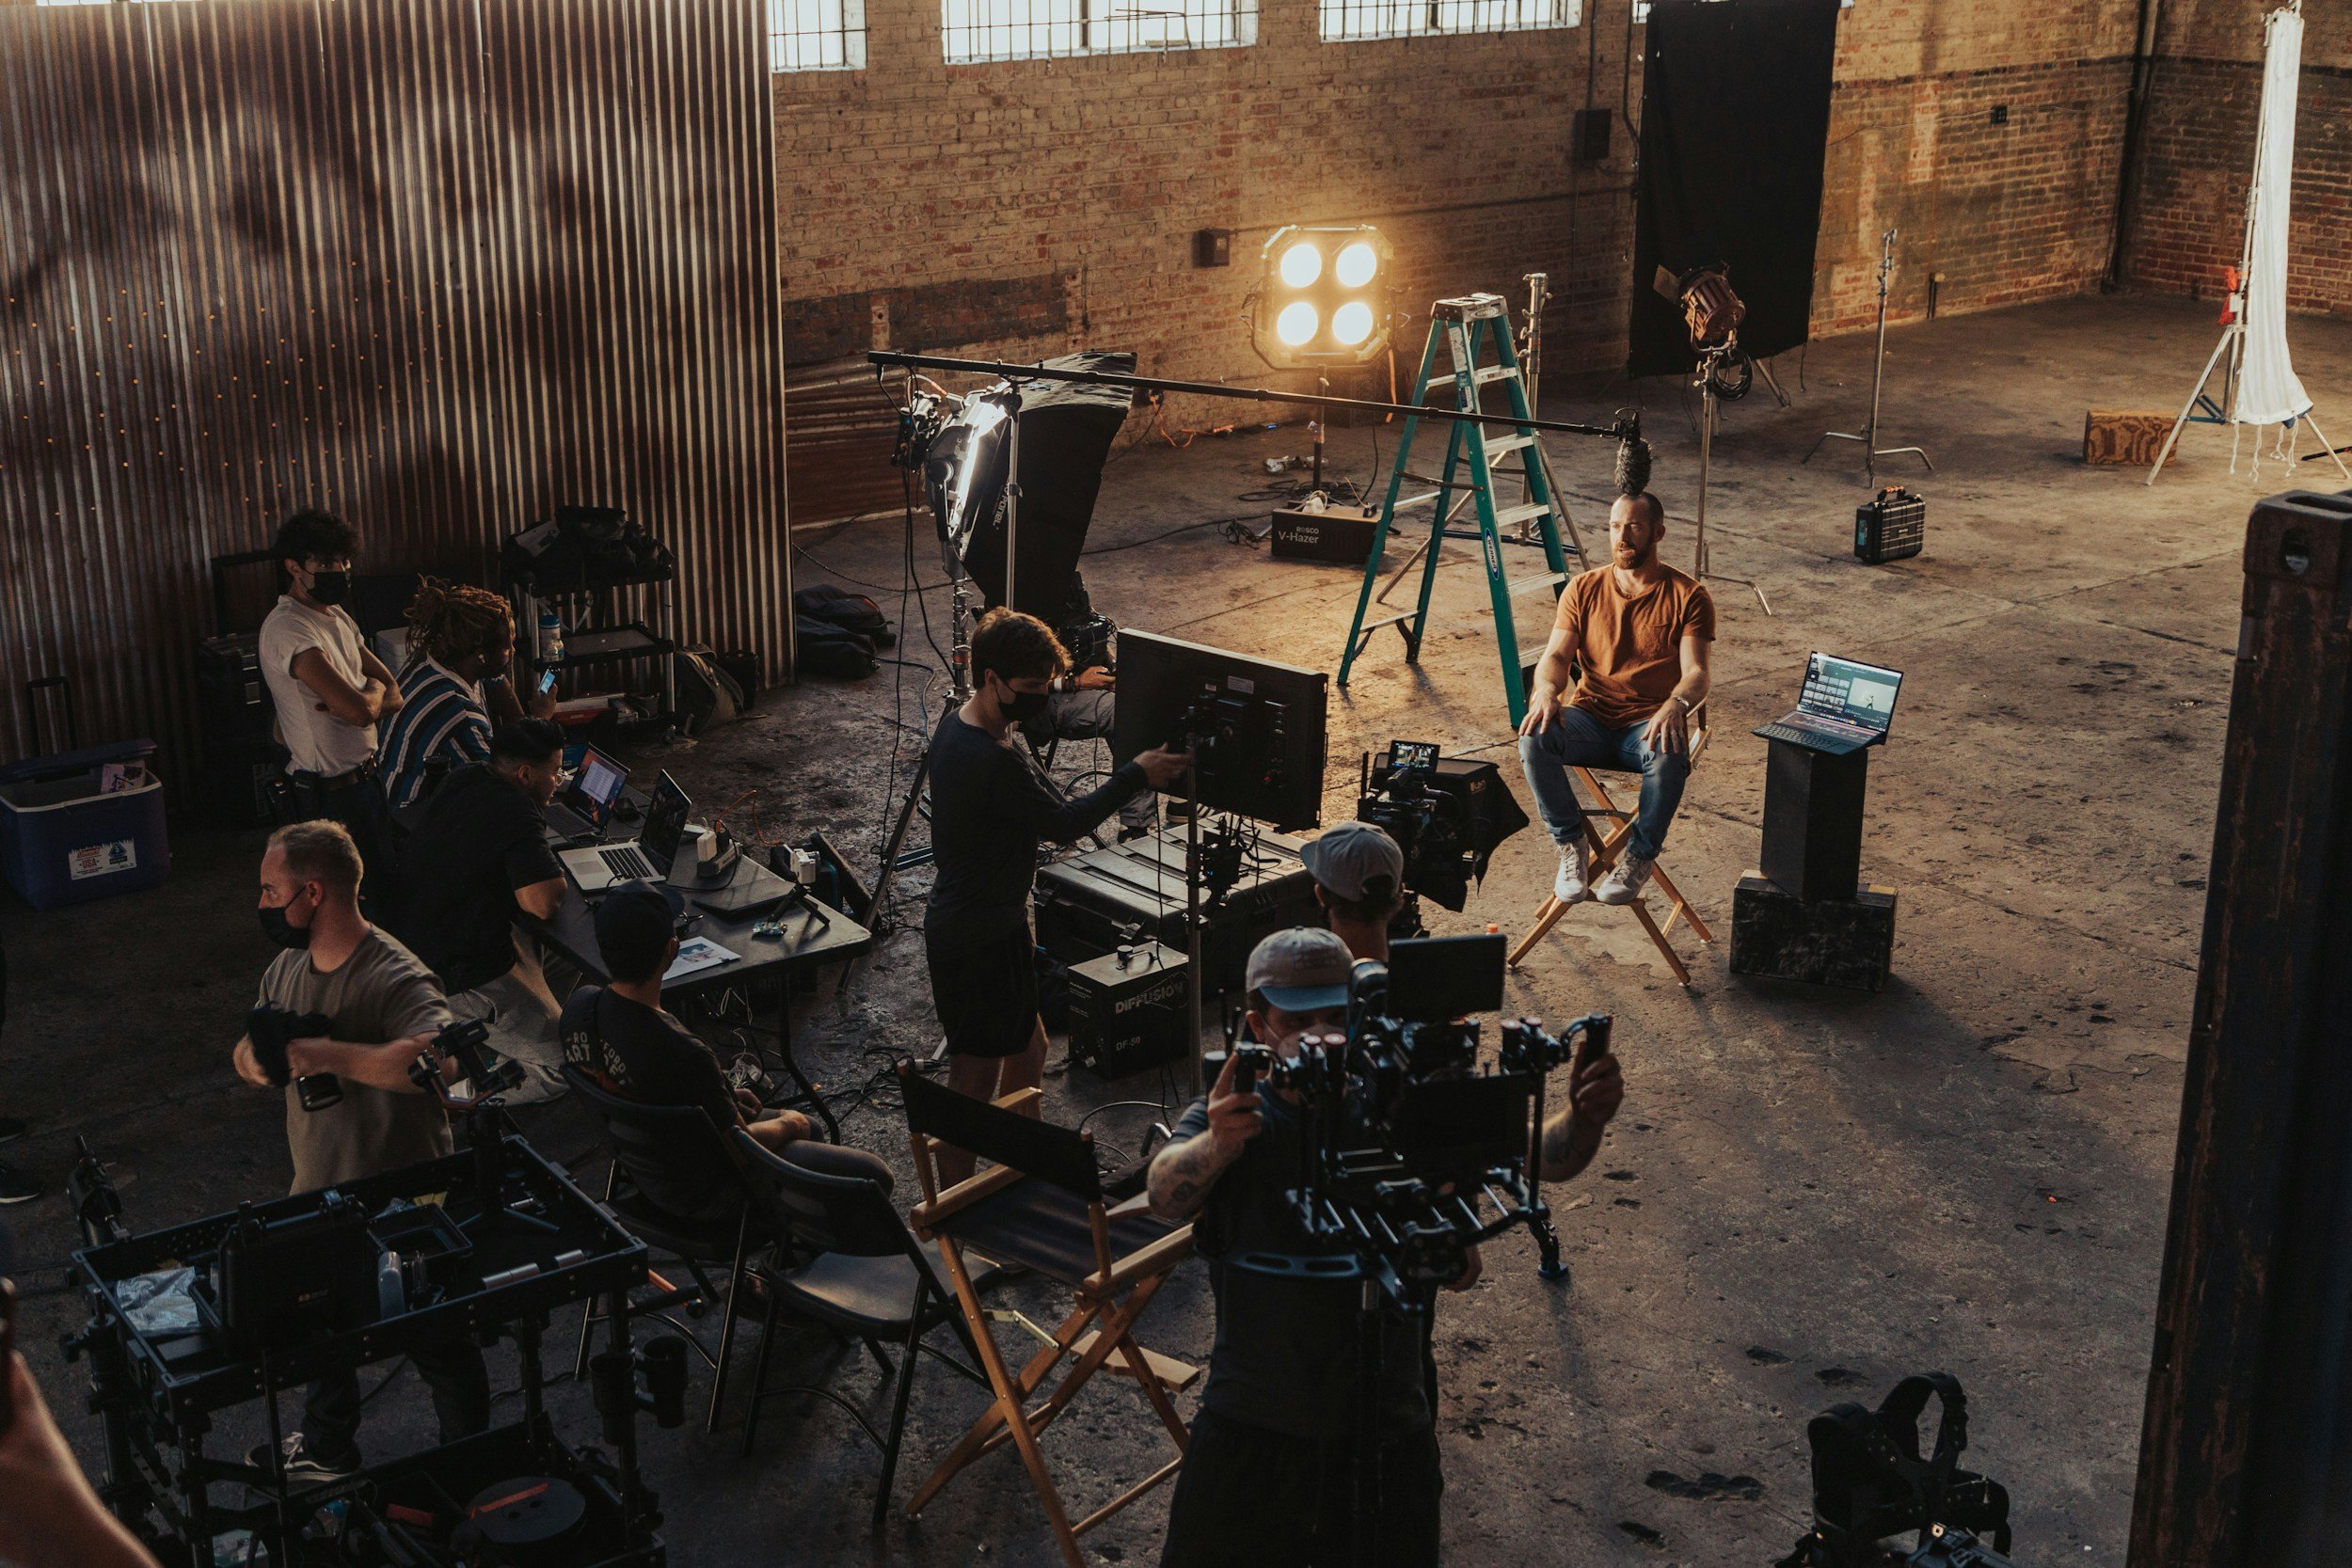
1605,849
1041,1208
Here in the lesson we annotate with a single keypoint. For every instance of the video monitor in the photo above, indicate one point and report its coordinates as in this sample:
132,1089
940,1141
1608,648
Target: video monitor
1437,978
1256,726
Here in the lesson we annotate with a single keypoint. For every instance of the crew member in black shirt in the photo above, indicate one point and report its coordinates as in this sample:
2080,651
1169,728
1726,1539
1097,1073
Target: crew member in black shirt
478,858
620,1035
988,811
1269,1470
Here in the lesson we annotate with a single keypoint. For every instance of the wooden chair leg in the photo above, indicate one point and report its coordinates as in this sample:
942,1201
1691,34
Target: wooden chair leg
1547,914
1666,948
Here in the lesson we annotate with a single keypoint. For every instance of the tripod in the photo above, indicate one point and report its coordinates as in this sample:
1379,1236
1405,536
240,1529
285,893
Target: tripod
1709,363
1871,451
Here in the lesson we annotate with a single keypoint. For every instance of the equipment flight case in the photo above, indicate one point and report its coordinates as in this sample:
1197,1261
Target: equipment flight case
1092,904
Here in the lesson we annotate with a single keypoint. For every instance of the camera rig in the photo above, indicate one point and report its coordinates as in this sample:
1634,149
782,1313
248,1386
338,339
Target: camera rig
1413,1150
1446,816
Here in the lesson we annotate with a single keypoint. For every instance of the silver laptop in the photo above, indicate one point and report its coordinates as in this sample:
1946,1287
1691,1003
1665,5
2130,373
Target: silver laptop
643,859
1843,706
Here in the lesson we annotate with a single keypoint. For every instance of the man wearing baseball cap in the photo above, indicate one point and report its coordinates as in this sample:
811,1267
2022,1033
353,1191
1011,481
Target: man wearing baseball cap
1268,1469
1359,881
620,1035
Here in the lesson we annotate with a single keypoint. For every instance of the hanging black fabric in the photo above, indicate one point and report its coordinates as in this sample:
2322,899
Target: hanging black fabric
1734,125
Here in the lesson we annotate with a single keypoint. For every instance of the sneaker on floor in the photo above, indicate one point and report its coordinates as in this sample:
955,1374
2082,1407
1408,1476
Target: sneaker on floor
1624,881
1574,883
17,1187
303,1468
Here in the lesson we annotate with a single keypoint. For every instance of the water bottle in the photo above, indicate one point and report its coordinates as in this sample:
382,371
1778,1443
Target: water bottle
550,638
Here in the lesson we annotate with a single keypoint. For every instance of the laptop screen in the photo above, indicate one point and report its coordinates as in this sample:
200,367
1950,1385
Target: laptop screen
665,823
1852,692
596,786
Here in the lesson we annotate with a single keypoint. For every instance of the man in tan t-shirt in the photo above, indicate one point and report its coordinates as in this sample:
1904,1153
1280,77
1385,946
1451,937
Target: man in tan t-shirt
384,1007
1634,636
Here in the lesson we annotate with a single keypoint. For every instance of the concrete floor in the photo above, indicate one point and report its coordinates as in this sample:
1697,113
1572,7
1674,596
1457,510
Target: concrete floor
1808,1194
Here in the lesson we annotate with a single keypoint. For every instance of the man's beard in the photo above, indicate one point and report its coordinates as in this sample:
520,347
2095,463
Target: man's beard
1634,560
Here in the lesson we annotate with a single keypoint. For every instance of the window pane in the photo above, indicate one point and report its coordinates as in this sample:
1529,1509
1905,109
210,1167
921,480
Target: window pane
815,34
1031,29
1391,19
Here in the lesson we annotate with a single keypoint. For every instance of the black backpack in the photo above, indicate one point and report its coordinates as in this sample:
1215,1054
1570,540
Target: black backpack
855,613
1869,1483
822,648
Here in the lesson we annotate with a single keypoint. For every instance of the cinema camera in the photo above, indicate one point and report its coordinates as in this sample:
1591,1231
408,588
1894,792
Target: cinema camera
1447,816
1412,1151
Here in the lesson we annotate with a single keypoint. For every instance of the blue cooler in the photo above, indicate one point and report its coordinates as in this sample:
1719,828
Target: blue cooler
82,825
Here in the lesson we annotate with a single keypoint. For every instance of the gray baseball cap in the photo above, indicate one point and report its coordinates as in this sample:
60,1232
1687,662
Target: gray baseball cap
1349,855
1302,970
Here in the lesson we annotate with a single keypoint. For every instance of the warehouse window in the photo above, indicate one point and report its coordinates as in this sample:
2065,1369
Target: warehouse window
1398,19
976,31
815,34
1641,8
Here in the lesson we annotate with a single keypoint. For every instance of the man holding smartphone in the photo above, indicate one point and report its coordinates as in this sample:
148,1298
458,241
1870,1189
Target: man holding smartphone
455,687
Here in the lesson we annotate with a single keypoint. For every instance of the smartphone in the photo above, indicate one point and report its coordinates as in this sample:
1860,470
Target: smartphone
547,682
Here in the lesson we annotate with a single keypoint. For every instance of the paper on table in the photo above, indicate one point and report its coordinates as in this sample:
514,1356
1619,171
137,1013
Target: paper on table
698,952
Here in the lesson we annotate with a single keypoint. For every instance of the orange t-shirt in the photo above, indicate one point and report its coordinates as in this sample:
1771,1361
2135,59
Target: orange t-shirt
1630,650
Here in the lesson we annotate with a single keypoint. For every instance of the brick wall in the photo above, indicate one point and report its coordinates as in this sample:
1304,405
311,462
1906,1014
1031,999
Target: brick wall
2204,106
920,180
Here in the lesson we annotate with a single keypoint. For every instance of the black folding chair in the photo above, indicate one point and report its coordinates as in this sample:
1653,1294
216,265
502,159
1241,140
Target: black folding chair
1041,1208
845,1260
671,1140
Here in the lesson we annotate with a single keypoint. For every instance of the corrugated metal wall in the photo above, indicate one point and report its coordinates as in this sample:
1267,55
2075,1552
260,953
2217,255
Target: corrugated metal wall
435,265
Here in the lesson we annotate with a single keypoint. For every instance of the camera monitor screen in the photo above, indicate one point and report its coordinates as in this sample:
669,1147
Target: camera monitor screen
1436,978
1454,1130
1257,726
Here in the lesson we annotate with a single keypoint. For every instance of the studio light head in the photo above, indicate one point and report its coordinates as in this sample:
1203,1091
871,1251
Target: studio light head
1323,300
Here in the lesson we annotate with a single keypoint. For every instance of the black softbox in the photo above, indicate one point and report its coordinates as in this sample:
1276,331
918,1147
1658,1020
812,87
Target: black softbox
1734,125
1066,434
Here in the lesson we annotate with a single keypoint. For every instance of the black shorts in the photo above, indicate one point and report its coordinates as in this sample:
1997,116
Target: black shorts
985,991
1248,1494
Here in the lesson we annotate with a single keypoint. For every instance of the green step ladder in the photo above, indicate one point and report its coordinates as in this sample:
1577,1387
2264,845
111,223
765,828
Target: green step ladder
1464,327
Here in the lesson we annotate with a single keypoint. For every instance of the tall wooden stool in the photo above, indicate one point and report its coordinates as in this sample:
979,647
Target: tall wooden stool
1605,849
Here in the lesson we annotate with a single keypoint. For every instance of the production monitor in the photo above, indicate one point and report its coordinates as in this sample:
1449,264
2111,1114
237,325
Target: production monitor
1256,726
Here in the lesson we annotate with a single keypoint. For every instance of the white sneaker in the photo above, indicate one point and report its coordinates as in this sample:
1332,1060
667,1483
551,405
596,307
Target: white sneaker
1570,887
1624,881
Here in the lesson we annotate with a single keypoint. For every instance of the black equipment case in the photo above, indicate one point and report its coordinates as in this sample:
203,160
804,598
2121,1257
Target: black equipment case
1094,903
1893,526
1128,1010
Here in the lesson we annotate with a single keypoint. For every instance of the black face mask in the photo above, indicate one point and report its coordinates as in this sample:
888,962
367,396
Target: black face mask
330,587
284,932
1021,706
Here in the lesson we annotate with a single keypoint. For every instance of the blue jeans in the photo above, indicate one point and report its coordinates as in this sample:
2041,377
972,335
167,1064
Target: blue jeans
1577,739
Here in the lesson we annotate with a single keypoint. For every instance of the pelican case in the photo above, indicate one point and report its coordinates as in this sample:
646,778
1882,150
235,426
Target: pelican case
1891,527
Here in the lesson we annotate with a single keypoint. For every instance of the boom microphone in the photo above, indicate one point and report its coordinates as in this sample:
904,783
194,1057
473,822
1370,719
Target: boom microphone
1632,458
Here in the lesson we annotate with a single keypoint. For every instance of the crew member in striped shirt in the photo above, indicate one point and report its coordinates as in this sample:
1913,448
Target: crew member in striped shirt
455,687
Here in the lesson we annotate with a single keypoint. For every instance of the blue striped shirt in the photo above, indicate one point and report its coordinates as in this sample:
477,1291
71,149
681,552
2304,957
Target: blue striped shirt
441,716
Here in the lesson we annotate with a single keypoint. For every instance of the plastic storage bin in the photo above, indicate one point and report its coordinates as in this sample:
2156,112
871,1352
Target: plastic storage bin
83,824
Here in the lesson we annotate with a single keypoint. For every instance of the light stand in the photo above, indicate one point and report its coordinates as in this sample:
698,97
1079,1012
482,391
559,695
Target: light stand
1871,451
1193,870
1709,363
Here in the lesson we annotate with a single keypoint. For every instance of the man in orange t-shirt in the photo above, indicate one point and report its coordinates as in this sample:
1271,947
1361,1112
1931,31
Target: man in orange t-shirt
1635,637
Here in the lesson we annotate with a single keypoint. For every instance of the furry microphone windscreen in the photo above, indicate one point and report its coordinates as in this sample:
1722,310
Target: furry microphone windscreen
1633,465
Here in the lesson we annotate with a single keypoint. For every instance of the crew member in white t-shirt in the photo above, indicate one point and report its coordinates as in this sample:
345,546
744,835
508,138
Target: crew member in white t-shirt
329,688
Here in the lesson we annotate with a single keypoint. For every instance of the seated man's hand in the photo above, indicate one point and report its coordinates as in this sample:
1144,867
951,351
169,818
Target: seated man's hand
1669,729
749,1103
1595,1090
250,1066
1095,678
1543,708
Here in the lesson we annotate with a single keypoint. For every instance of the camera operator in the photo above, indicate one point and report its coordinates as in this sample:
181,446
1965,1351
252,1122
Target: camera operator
329,689
383,1008
478,858
454,685
621,1036
988,811
1268,1471
1359,881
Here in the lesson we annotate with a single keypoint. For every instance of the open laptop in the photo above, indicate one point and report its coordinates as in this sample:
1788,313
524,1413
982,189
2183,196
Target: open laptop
1843,706
586,805
644,858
